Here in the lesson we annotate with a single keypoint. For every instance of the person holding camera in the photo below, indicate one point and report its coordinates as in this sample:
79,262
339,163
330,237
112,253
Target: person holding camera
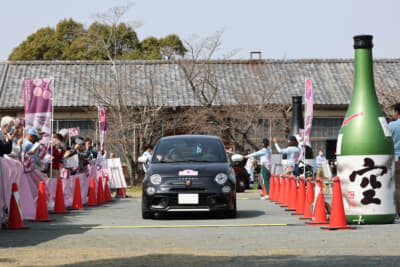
7,134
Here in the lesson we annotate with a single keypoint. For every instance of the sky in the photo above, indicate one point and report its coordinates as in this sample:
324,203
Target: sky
280,29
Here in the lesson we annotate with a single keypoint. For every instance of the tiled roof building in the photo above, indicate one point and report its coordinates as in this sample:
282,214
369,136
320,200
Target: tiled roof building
332,84
332,80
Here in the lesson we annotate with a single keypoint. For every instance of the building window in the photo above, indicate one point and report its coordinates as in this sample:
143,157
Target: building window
324,129
87,127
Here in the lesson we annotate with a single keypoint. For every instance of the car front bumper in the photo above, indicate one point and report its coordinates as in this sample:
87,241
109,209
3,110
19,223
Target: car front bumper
169,201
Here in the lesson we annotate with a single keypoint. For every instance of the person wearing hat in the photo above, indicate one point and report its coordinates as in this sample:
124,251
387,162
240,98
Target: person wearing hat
28,145
293,152
31,137
265,155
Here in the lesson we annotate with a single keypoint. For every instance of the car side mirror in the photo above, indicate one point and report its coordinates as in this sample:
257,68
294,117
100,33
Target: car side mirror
142,159
237,157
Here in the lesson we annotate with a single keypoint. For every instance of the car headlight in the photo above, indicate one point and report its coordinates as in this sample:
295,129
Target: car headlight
156,179
221,178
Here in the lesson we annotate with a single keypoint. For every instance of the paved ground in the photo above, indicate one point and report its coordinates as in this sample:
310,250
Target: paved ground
263,234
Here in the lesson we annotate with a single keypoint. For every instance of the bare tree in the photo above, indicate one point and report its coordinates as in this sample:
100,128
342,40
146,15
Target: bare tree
234,117
133,112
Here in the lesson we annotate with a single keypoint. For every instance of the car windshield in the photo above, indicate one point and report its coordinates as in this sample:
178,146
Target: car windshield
189,150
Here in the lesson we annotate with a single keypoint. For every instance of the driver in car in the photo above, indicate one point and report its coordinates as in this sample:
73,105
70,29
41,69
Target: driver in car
174,155
209,154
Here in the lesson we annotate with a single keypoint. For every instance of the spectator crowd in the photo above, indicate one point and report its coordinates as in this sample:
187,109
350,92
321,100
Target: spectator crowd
48,154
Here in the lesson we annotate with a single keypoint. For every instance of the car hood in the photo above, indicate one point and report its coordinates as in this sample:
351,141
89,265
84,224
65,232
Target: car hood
189,169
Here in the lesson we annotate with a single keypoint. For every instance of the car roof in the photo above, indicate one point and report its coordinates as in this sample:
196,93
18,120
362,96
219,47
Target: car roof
190,136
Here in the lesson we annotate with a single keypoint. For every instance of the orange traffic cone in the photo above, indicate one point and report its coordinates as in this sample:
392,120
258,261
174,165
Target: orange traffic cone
319,216
337,220
286,192
272,189
301,197
121,193
309,200
100,192
42,214
92,200
271,186
77,202
15,212
107,192
277,186
292,195
281,191
264,193
59,205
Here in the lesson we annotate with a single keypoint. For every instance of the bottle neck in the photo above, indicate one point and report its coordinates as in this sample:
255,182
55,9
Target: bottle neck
363,71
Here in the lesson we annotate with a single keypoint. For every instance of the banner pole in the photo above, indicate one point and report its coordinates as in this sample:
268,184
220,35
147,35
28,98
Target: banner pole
51,124
99,122
3,207
305,125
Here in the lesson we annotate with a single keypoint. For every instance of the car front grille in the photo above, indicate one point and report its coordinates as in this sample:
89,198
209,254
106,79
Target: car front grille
188,189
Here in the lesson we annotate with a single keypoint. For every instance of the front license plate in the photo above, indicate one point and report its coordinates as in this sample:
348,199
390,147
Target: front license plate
188,199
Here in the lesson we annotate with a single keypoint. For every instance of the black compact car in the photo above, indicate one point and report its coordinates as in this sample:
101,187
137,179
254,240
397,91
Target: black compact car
189,173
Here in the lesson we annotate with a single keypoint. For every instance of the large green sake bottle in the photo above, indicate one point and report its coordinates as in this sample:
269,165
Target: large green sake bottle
365,159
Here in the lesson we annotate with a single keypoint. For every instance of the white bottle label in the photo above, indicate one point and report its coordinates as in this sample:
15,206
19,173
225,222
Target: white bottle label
385,127
367,183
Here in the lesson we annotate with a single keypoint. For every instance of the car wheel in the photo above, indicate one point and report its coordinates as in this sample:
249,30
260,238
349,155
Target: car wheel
232,213
146,214
241,182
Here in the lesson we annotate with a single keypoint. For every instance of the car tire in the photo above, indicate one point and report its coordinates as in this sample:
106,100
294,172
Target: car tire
146,214
241,182
232,213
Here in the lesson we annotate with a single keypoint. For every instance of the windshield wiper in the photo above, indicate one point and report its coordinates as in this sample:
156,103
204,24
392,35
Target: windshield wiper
161,161
197,160
186,160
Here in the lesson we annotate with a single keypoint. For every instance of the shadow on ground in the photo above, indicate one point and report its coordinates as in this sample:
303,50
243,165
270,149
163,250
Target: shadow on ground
38,234
60,225
247,261
206,215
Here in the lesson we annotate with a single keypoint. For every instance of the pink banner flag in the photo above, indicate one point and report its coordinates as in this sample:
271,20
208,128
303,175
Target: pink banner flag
38,104
38,109
305,133
76,131
103,127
